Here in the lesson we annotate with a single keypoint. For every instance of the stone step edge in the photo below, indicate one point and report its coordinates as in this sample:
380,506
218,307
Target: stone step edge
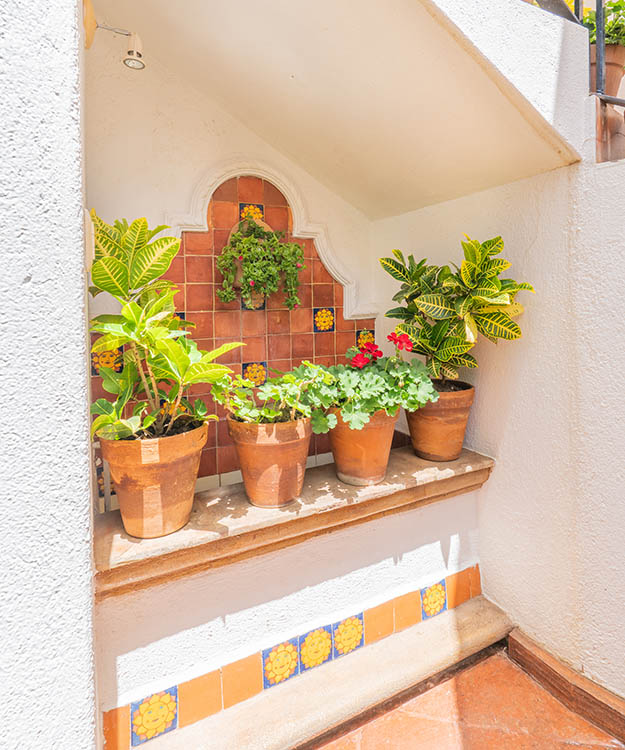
300,710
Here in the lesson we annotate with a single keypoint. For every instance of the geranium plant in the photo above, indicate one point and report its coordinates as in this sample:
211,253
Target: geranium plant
159,360
258,261
371,382
444,312
301,393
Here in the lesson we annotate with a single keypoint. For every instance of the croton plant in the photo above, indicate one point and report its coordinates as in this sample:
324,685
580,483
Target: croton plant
444,312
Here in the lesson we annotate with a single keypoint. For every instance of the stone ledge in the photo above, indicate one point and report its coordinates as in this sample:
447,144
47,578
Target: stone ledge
298,710
224,528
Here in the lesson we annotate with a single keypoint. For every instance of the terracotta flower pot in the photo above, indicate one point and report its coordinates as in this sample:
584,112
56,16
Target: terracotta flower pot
437,429
361,456
155,480
273,459
614,67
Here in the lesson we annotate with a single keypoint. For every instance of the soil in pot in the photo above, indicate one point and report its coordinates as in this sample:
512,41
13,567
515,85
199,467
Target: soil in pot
272,458
155,480
361,456
437,429
614,68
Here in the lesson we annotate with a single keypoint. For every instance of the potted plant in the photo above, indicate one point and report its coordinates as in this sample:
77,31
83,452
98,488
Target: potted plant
150,434
443,314
614,11
368,393
271,428
258,262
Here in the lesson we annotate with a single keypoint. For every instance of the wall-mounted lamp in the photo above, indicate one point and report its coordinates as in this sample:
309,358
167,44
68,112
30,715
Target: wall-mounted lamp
133,55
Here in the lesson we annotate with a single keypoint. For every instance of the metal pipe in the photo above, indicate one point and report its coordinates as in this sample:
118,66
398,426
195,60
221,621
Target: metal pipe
600,18
610,99
125,32
579,9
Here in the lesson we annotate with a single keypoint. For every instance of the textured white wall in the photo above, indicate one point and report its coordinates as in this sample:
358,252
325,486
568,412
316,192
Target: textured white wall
157,638
46,664
549,407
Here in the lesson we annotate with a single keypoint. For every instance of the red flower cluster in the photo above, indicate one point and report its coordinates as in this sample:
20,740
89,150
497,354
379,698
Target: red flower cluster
369,352
401,342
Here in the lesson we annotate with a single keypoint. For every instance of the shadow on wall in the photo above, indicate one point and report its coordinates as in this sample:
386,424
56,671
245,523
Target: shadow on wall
350,569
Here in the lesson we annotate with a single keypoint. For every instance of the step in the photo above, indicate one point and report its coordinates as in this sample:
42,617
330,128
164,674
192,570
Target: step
298,710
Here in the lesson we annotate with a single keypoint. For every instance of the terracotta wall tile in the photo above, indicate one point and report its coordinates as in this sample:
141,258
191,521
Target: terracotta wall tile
242,679
305,274
305,295
338,294
301,320
278,321
255,349
378,622
251,190
199,268
275,301
228,325
199,698
323,295
175,272
407,610
324,343
279,346
277,217
223,436
272,196
227,459
344,341
342,323
281,365
458,588
199,297
227,191
475,581
198,243
220,239
208,463
323,443
253,322
320,274
203,325
302,346
225,215
116,728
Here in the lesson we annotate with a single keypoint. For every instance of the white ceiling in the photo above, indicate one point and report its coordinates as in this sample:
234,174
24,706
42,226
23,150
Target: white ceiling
374,99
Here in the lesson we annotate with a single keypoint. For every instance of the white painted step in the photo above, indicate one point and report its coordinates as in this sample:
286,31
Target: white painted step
286,715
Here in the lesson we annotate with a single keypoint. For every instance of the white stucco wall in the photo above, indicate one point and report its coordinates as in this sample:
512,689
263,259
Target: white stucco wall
46,664
548,407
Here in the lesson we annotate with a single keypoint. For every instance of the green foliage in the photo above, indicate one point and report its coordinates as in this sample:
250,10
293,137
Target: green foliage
381,383
444,312
160,361
260,262
304,392
614,22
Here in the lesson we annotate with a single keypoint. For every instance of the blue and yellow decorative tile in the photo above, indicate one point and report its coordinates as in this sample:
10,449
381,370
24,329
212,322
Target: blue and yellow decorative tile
256,372
258,302
251,211
315,648
364,336
433,600
180,315
280,663
323,319
153,716
113,359
348,635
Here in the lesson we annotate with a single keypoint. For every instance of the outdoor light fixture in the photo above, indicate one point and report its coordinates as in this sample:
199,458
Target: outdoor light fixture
133,57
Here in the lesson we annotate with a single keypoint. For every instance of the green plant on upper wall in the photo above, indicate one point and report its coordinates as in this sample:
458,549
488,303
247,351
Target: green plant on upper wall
159,360
614,22
258,262
444,312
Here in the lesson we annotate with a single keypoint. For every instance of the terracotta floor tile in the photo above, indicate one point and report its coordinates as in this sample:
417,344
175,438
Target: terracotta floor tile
491,705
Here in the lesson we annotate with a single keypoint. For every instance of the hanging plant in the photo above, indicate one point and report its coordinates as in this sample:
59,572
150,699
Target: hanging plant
258,263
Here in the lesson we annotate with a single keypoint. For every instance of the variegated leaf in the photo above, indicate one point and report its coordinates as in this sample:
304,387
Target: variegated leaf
111,275
153,260
464,360
470,328
395,269
135,238
472,251
468,272
463,305
494,266
435,306
492,247
449,371
498,325
452,347
514,309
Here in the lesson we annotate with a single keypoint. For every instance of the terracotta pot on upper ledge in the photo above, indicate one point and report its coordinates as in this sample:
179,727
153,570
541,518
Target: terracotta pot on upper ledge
273,459
361,456
614,68
437,429
155,480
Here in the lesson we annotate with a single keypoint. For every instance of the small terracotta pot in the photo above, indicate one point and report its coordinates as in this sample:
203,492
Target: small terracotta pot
361,456
614,68
155,480
273,459
437,429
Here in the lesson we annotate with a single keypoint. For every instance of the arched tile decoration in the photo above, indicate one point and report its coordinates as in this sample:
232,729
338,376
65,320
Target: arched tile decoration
274,337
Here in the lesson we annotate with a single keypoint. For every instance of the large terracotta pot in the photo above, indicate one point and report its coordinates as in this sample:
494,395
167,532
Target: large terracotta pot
361,456
273,459
437,429
614,68
155,480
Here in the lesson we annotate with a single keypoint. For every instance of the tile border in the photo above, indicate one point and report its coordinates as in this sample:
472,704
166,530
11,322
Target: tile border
240,680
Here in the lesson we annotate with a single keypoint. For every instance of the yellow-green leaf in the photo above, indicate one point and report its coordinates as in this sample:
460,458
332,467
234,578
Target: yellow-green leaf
435,306
494,266
395,269
492,247
152,261
452,347
498,325
111,275
203,372
468,272
470,328
514,309
135,238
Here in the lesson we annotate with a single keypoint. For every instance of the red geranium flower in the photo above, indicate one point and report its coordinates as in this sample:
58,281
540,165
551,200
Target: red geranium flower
360,360
393,337
371,350
401,342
